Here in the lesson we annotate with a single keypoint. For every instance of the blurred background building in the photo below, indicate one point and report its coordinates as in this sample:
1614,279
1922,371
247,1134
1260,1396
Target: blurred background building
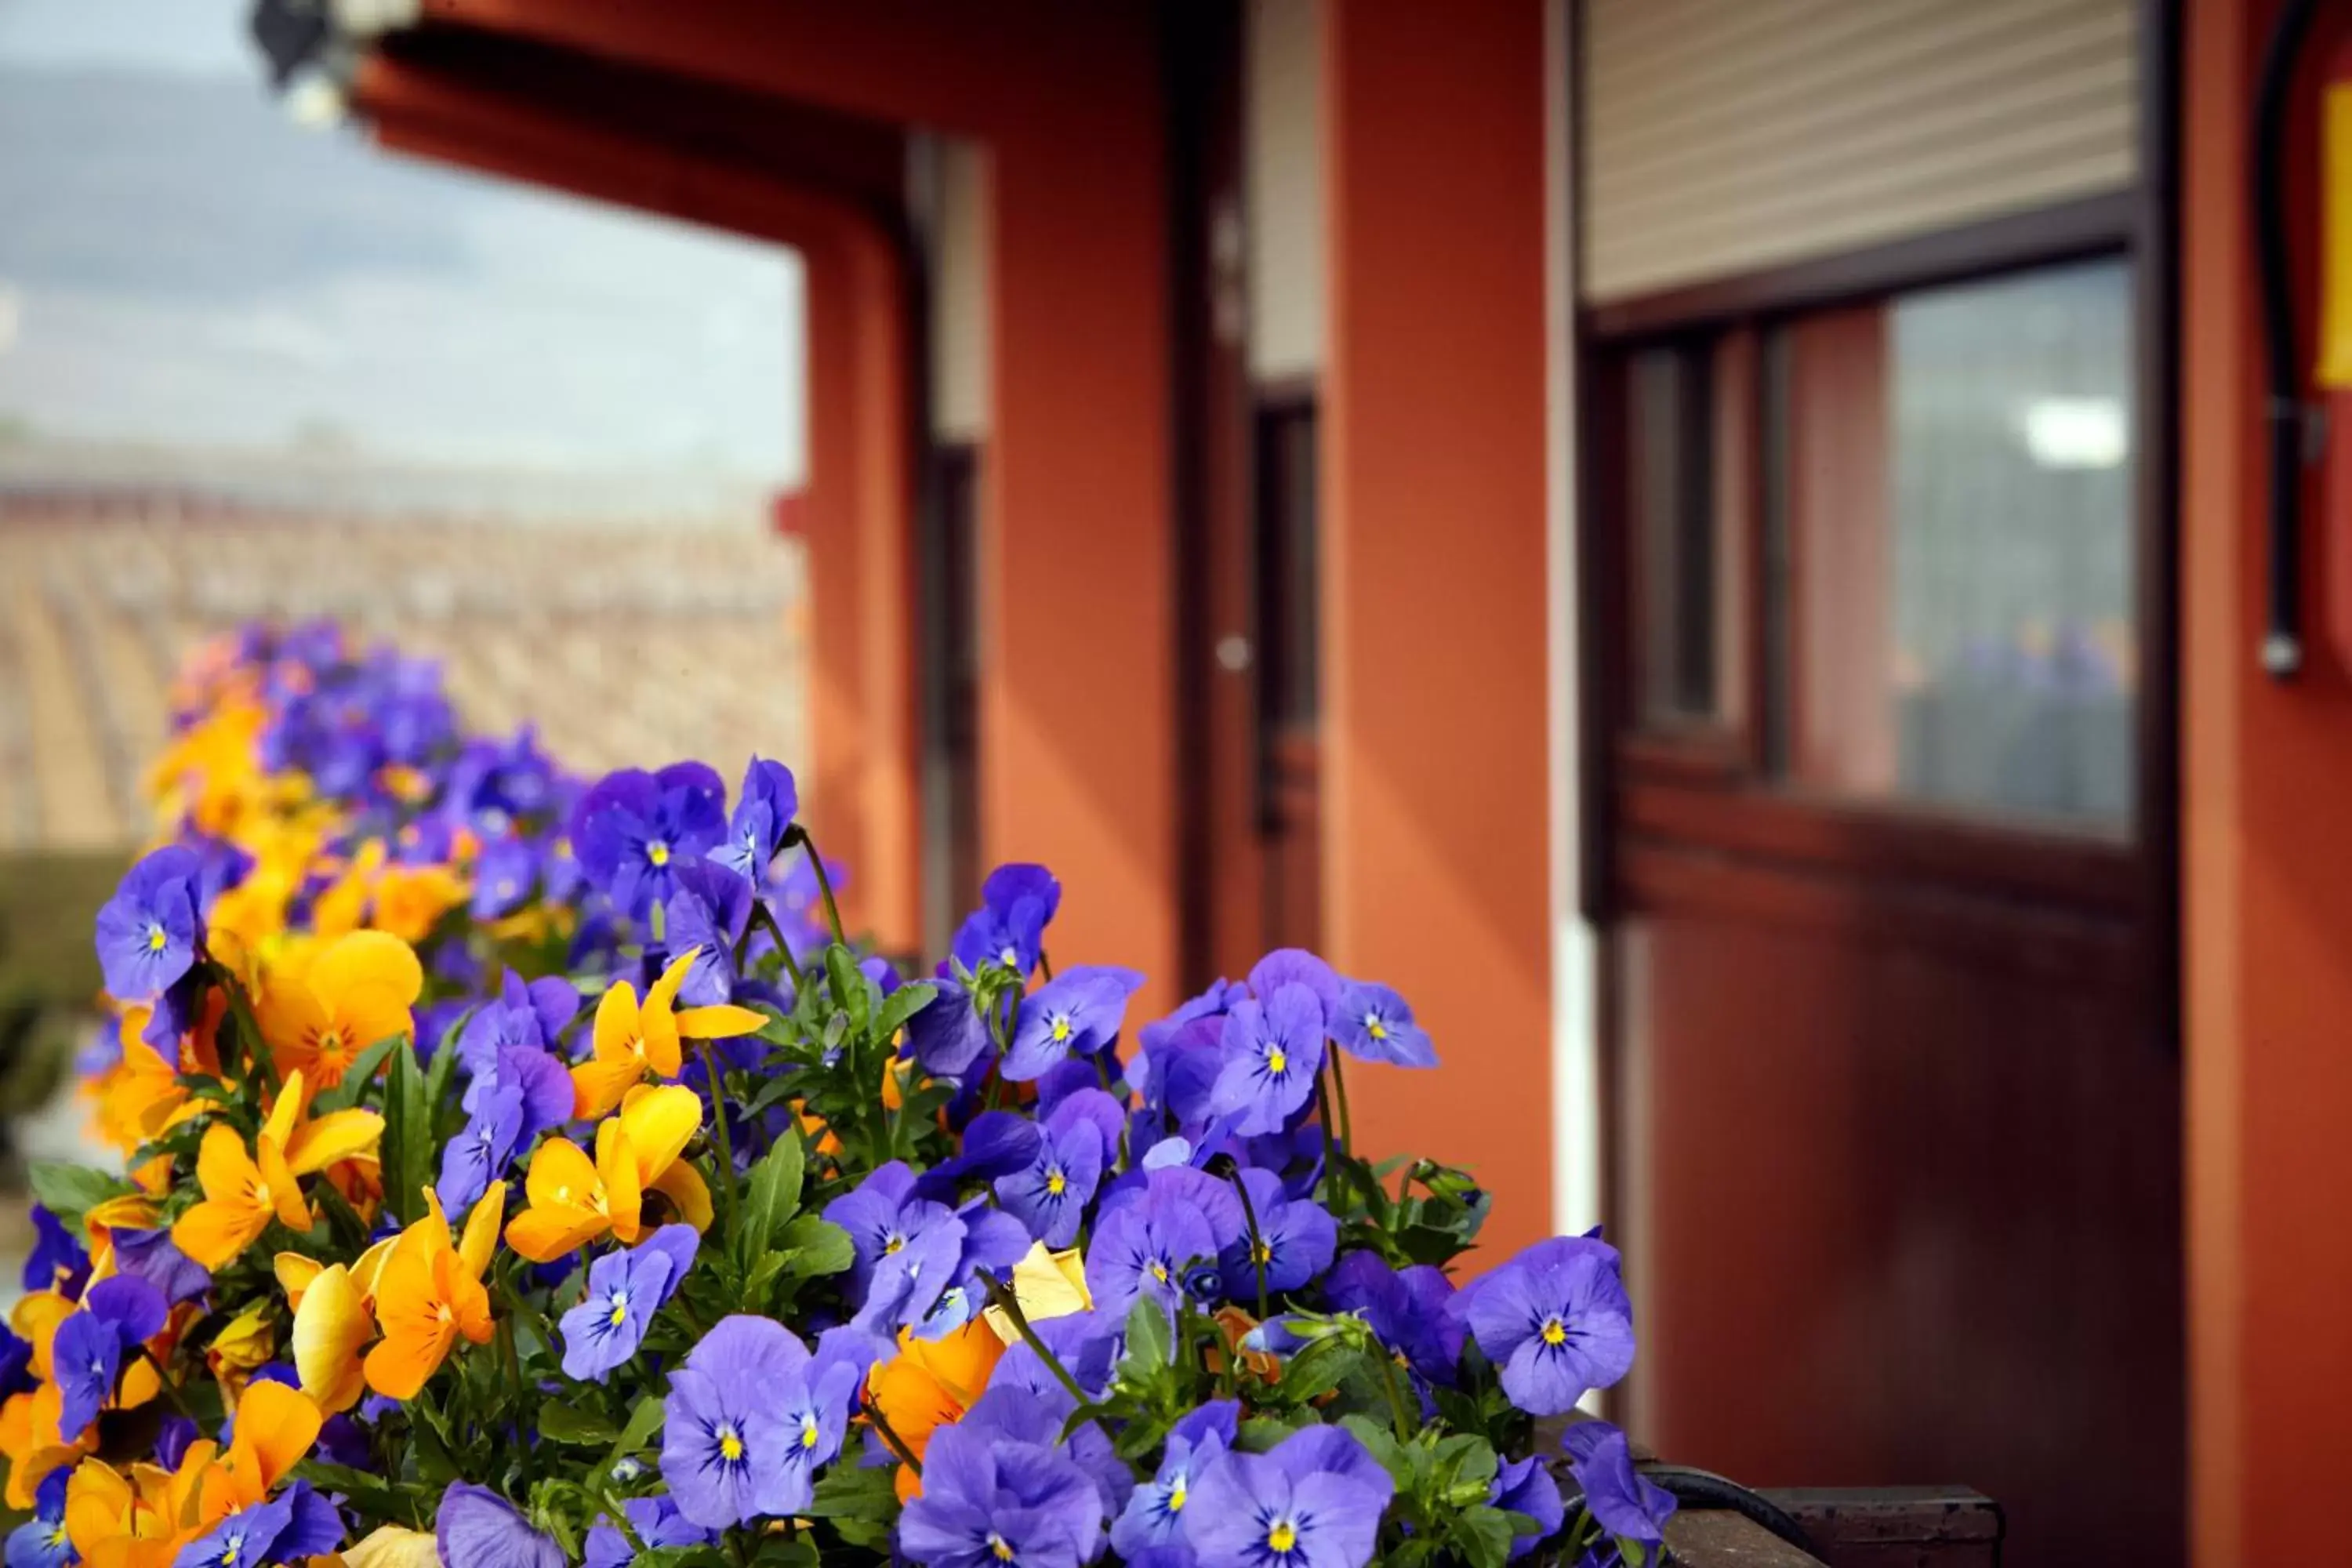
250,370
1722,546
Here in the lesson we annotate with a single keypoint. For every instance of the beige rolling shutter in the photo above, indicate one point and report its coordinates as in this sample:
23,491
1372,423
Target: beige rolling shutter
1729,135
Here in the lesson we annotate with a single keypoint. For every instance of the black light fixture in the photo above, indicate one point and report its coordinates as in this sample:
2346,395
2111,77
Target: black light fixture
2285,417
294,36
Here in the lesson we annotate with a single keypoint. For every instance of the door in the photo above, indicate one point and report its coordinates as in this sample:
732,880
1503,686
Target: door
1894,1093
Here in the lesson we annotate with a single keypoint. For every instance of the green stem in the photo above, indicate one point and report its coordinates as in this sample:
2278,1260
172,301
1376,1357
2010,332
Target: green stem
890,1438
171,1389
1044,965
823,882
718,1128
248,1027
1404,1422
762,915
1323,1119
1257,1247
1339,1089
1003,1298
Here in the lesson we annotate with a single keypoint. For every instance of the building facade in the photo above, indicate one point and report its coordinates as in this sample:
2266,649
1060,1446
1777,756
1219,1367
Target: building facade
1719,547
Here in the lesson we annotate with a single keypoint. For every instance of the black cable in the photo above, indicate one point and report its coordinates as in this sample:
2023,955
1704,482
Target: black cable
2282,414
1705,1489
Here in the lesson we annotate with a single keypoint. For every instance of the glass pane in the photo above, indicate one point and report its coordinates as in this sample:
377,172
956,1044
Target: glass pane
1958,511
1671,476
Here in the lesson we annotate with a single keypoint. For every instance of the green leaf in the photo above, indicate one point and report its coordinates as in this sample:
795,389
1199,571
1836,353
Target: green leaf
407,1146
565,1424
357,1078
849,986
71,1192
436,1077
818,1247
1380,1446
900,1005
1147,1342
1485,1534
856,1491
774,1193
644,1420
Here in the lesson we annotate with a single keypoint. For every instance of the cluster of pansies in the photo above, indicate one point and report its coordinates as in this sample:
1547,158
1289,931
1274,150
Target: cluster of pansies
519,1169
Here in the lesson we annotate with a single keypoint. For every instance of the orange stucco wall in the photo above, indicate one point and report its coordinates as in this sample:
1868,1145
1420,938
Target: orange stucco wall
1432,575
1077,750
2267,852
858,506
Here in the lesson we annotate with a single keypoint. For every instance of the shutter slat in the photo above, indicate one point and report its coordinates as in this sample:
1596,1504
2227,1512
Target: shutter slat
1724,135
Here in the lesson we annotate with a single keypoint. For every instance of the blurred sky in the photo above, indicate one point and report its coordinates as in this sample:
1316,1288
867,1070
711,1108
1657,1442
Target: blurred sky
180,262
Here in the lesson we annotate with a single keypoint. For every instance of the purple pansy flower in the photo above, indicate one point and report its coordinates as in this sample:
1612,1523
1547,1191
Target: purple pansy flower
1297,966
1078,1011
41,1540
1016,903
477,1528
1295,1240
147,933
657,1523
116,1317
295,1524
1628,1506
709,911
726,1444
1144,1246
1556,1321
626,1289
1309,1503
482,1149
1527,1487
1272,1052
59,1261
16,1364
526,1016
948,1035
150,1255
633,830
991,1499
1376,1023
884,1216
1155,1516
503,877
1177,1057
1411,1311
764,808
1050,1195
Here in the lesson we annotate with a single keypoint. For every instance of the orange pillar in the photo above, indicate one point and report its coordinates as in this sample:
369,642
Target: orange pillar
2267,862
1432,575
1077,702
1077,683
859,503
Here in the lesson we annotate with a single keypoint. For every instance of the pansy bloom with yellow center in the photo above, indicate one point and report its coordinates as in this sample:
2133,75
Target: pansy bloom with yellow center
574,1200
356,992
430,1294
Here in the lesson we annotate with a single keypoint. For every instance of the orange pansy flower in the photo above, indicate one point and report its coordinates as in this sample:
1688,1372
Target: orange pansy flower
356,992
574,1200
632,1040
429,1293
928,1384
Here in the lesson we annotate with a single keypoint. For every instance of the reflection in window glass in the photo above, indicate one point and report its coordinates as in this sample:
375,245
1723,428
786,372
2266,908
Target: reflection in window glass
1672,484
1960,508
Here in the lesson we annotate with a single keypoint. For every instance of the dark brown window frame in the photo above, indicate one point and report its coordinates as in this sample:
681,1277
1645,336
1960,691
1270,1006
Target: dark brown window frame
1713,783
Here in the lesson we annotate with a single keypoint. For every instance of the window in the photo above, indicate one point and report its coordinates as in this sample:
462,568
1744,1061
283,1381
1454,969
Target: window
1943,551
